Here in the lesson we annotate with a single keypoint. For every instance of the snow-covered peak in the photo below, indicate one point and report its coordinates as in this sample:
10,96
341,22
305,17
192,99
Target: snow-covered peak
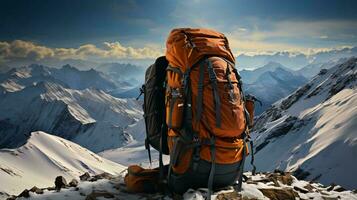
45,157
90,117
67,76
313,130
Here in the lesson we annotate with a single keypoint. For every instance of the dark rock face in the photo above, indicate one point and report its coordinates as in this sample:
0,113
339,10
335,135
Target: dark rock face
102,176
283,129
261,146
99,193
25,193
60,182
36,190
301,174
84,177
322,72
334,187
290,124
280,194
229,195
300,189
73,183
294,97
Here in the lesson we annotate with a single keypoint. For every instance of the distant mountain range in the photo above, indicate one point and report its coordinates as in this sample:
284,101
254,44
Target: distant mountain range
67,76
124,72
89,117
274,81
270,83
67,102
294,60
312,131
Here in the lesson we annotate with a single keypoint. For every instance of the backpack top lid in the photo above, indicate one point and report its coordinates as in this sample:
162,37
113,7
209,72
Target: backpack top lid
186,46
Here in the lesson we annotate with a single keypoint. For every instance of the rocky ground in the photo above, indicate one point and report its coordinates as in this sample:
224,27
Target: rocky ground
277,185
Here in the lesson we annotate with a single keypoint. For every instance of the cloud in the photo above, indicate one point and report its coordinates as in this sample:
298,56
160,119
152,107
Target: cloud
19,49
301,36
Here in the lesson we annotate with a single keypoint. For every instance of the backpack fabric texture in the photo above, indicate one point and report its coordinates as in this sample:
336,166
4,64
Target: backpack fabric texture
195,111
154,106
205,110
140,180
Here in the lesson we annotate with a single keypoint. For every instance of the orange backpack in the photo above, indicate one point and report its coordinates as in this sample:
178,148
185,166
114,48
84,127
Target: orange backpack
205,106
197,112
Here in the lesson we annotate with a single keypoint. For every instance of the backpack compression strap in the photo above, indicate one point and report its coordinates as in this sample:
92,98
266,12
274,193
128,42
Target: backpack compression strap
217,102
200,91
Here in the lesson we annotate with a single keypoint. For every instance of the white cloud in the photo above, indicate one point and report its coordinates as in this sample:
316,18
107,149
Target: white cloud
283,36
19,49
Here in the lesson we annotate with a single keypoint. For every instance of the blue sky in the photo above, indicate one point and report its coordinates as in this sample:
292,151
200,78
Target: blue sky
134,29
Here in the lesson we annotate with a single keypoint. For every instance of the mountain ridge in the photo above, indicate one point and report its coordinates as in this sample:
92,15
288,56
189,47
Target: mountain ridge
72,114
304,122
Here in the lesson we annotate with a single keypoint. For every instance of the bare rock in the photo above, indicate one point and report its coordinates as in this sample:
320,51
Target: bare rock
290,100
99,193
84,177
25,193
36,190
280,194
60,182
339,188
309,187
322,72
331,187
50,188
301,174
279,176
102,176
73,183
300,189
330,198
229,195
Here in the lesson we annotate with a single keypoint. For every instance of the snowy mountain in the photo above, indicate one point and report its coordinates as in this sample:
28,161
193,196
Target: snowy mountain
80,80
131,93
250,76
90,117
313,131
313,69
43,158
130,73
29,172
274,78
68,76
294,60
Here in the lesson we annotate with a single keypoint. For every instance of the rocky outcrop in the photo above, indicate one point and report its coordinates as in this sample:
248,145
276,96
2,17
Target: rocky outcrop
277,185
60,182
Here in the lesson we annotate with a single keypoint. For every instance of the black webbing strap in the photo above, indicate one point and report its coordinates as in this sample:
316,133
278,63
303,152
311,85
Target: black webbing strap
147,146
187,131
239,78
161,164
213,166
231,88
200,92
252,157
172,155
172,104
213,80
238,187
